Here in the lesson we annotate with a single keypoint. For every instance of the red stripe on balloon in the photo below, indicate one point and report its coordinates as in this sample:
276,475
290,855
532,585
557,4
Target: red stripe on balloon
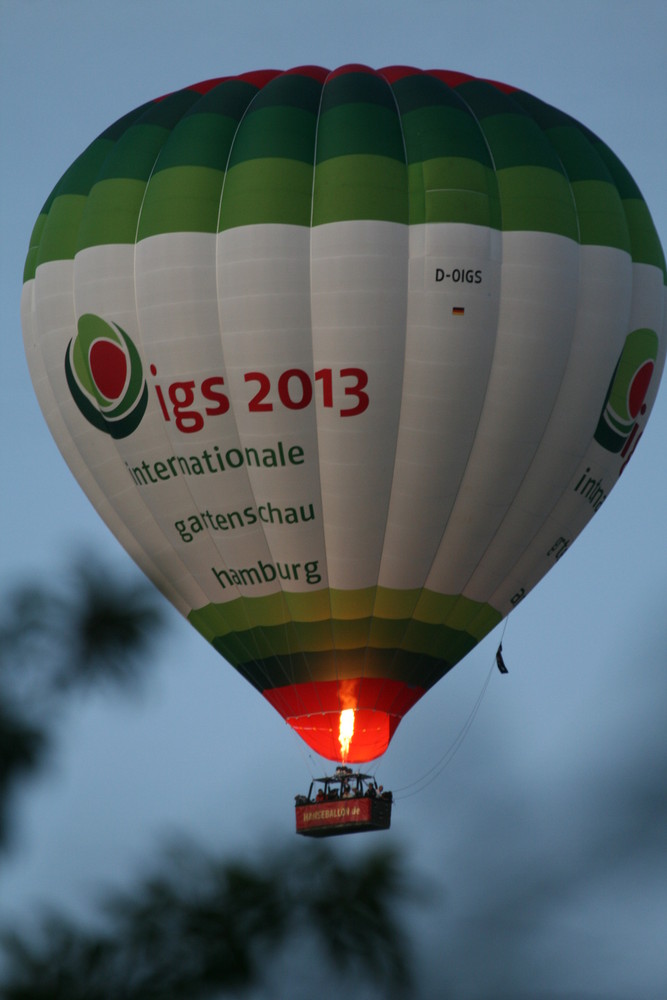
313,711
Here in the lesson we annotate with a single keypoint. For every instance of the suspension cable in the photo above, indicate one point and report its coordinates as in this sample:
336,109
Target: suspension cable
419,784
436,770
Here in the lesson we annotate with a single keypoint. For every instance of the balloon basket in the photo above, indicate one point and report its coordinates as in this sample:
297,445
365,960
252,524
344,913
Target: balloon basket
346,802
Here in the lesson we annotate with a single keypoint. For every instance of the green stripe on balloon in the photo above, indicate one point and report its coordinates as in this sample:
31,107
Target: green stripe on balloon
319,607
349,87
601,217
534,191
115,200
276,133
280,123
201,140
111,213
203,137
275,671
270,173
181,199
645,245
644,242
136,149
184,190
434,132
228,98
57,236
82,174
451,177
63,211
452,189
295,90
360,187
553,175
353,129
267,191
59,232
602,220
536,199
134,155
420,91
485,100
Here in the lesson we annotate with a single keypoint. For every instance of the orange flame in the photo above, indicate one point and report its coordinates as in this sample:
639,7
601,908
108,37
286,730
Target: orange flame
346,731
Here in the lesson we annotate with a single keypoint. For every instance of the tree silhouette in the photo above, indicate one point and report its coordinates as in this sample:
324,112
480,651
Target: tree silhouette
96,630
21,749
201,927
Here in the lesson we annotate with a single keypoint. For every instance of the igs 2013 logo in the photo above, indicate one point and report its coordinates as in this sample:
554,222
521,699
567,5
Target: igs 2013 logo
105,376
624,403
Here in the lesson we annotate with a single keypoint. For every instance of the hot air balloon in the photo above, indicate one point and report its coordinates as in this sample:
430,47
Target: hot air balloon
346,360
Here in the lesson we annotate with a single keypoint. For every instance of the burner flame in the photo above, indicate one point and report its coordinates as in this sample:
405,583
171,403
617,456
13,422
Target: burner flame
346,731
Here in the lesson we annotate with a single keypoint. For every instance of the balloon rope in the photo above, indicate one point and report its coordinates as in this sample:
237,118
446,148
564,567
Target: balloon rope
307,755
440,764
449,754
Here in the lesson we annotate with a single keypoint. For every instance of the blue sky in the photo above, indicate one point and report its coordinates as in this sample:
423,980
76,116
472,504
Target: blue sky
579,720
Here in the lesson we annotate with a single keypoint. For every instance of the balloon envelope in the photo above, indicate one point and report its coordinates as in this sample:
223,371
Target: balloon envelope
346,360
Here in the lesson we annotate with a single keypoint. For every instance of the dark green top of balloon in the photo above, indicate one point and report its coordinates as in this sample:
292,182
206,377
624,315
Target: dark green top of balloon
308,147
